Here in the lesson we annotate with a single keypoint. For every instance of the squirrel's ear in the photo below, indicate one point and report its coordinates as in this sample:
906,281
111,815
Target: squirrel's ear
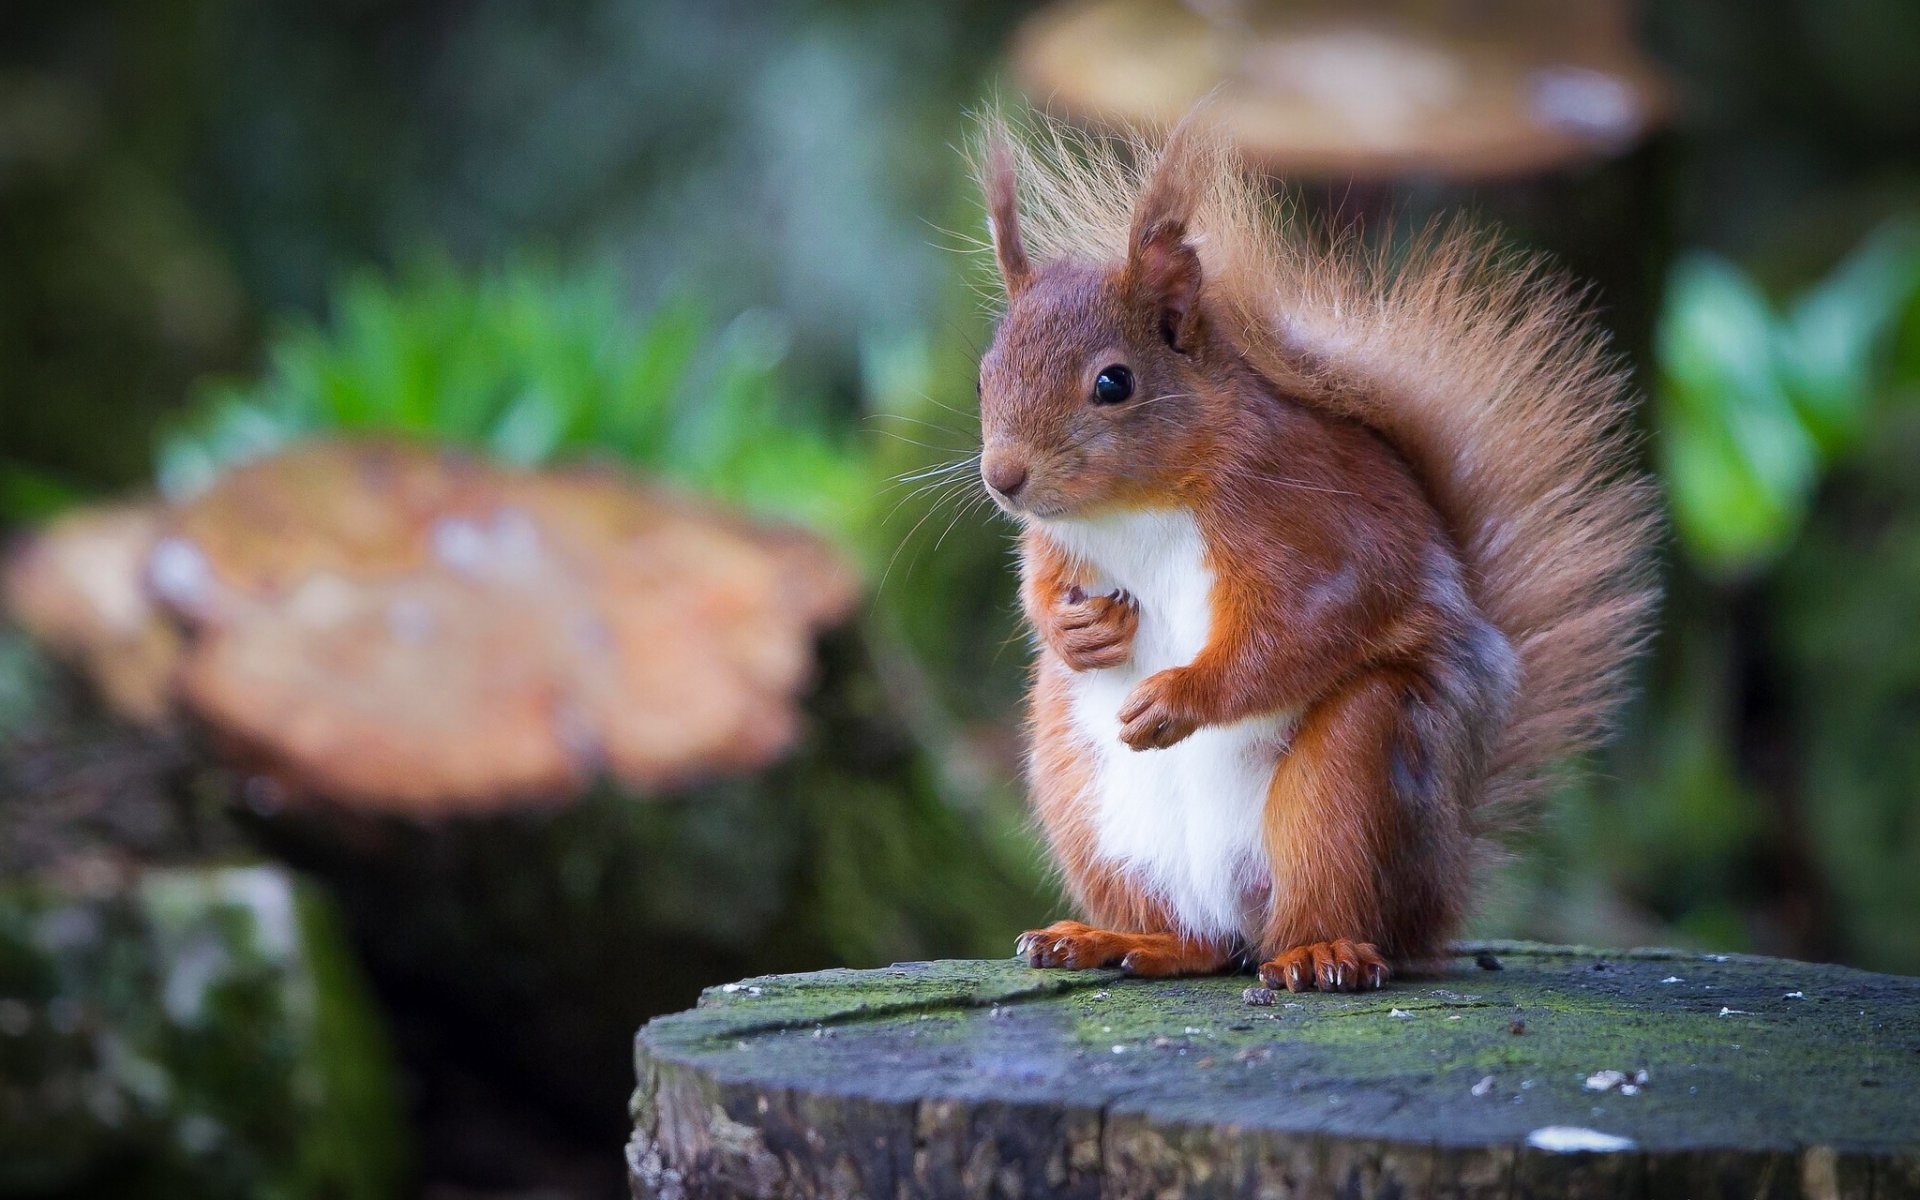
1165,272
1003,218
1162,266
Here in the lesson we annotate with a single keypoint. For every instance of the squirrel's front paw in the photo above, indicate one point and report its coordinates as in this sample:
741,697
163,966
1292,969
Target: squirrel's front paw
1090,632
1154,715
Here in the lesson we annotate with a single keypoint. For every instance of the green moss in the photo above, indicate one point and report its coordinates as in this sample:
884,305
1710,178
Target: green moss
904,990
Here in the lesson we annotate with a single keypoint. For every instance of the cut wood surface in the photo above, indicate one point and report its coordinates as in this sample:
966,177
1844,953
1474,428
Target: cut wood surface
416,630
1523,1070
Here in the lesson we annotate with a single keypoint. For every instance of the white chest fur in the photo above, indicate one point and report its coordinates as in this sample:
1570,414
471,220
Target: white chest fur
1184,822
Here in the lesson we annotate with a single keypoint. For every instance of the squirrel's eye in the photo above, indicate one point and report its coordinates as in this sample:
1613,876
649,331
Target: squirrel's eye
1112,385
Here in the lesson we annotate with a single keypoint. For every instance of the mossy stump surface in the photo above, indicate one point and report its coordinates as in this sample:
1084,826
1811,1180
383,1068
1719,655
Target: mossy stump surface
1764,1078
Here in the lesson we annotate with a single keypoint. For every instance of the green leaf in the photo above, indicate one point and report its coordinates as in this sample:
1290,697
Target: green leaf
529,431
1835,334
1738,460
1754,405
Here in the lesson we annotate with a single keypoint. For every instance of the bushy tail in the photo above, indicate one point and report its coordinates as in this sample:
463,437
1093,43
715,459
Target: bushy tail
1480,365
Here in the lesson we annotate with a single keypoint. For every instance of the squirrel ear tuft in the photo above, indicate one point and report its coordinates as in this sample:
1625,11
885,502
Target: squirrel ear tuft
1165,271
1162,265
1003,217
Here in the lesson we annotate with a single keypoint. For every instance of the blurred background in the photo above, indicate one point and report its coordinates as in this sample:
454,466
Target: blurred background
492,548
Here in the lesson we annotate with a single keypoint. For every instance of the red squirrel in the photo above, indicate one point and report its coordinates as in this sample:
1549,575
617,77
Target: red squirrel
1329,555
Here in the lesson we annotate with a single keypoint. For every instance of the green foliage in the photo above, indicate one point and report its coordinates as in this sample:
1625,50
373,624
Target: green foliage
28,495
533,366
1755,402
1844,599
1765,797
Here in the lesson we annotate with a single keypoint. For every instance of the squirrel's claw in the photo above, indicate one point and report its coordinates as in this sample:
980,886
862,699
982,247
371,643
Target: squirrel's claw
1066,944
1336,966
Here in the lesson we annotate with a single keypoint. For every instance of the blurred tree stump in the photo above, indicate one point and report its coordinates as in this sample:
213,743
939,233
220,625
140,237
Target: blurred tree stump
1377,90
563,746
188,1033
399,629
1567,1072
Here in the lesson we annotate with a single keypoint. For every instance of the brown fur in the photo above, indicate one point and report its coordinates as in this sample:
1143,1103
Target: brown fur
1416,504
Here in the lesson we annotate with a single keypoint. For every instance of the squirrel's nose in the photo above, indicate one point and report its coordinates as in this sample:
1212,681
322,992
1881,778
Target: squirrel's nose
1004,473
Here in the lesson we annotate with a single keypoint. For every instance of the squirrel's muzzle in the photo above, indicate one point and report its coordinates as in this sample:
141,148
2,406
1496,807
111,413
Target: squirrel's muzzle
1004,472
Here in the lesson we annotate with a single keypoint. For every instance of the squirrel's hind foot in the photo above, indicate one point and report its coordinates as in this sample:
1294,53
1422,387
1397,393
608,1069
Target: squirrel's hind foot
1074,945
1337,966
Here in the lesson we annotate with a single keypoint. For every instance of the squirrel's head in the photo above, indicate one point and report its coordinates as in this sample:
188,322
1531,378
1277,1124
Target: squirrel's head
1100,387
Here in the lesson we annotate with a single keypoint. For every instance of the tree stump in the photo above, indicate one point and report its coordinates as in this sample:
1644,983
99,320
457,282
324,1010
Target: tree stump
1524,1070
562,746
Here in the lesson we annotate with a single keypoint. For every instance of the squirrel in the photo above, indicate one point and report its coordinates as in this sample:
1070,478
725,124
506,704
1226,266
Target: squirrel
1330,555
